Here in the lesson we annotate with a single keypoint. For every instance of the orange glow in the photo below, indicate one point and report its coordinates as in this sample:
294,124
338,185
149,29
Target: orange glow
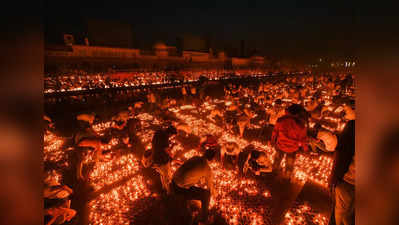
231,190
53,150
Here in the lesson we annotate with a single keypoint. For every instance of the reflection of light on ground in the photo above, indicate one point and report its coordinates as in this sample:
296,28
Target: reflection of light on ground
302,214
228,200
315,169
52,148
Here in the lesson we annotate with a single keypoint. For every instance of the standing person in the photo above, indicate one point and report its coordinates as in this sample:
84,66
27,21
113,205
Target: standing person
244,119
343,173
151,101
289,136
231,115
161,157
276,112
202,93
184,93
190,174
273,113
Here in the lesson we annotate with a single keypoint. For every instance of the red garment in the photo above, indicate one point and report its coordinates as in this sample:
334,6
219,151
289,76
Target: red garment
289,134
210,141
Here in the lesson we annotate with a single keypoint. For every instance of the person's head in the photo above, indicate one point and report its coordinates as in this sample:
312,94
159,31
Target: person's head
171,130
295,110
278,102
298,111
255,154
147,158
209,154
96,119
262,159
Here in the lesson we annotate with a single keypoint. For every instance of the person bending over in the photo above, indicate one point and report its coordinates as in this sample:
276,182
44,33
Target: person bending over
190,174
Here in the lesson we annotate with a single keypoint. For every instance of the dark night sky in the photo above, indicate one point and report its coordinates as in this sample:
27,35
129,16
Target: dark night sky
305,28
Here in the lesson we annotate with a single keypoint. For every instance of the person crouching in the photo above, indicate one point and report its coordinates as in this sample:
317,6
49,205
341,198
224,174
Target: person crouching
191,173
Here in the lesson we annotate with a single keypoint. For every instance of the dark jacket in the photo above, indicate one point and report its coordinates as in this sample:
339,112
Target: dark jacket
344,153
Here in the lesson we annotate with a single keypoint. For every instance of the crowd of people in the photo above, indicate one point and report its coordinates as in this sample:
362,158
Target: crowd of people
299,114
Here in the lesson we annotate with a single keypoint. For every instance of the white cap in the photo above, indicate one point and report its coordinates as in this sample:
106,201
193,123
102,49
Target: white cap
330,140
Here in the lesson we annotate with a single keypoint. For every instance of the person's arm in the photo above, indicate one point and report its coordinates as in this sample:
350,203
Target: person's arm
246,164
303,139
222,152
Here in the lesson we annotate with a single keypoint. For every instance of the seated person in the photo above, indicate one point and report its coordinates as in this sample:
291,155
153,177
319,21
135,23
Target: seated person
328,140
251,159
120,120
323,140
